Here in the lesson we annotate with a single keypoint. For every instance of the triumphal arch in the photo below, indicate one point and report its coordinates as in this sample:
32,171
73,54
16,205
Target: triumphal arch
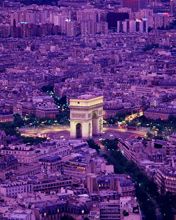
86,116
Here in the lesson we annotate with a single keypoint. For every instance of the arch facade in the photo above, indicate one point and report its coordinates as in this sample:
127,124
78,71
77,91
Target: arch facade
86,116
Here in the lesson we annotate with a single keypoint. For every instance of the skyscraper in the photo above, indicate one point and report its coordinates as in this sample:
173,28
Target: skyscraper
135,5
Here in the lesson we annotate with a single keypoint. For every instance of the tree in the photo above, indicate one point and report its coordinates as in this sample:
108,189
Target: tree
110,144
47,88
98,44
39,2
93,145
32,141
18,121
67,217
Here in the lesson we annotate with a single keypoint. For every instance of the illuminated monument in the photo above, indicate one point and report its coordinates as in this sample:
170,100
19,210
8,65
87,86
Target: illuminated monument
86,116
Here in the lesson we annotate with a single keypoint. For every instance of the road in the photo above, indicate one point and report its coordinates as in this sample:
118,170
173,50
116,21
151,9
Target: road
157,209
117,134
54,131
125,130
60,130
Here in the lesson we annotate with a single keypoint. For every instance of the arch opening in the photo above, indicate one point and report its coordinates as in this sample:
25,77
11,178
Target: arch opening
79,130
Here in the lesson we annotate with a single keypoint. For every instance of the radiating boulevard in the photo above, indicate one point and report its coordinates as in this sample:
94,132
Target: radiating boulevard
59,131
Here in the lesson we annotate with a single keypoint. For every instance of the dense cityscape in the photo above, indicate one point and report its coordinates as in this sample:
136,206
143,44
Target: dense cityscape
87,109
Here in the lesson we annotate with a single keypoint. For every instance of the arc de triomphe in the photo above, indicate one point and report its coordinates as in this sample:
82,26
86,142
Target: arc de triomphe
86,116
